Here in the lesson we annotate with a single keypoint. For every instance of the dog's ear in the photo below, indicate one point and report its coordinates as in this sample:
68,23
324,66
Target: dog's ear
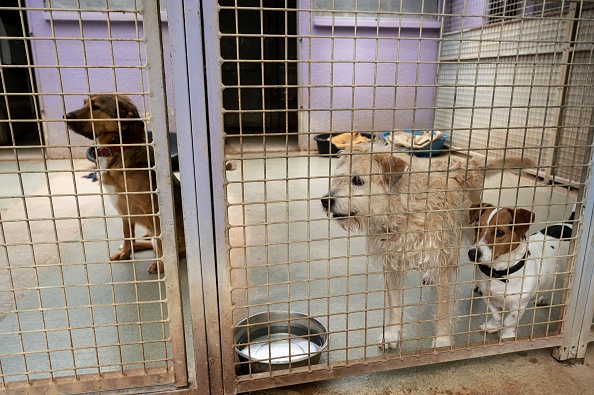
392,169
127,108
476,211
135,127
522,220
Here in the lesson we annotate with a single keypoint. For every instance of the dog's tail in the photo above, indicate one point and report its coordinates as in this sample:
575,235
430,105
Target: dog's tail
493,166
479,169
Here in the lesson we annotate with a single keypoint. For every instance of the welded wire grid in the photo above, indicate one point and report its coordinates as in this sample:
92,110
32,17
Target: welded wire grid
66,309
498,83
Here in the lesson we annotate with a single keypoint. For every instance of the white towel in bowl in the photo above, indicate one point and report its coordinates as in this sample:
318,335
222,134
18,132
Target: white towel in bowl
412,141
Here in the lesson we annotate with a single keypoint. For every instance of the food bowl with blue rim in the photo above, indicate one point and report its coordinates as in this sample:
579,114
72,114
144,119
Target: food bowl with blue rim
436,146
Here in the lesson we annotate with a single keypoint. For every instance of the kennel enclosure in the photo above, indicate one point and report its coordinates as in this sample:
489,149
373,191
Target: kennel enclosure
247,86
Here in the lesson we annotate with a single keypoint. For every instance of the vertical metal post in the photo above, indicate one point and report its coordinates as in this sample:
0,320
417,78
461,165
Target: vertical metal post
157,93
217,217
580,304
187,60
586,332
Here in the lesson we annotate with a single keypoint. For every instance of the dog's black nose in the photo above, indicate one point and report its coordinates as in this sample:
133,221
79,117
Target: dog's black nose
327,202
70,115
474,254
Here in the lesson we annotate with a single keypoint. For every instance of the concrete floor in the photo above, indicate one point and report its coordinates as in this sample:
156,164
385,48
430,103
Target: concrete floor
532,372
74,308
329,276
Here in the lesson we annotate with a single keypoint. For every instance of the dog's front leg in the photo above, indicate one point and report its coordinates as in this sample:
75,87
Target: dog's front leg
494,323
445,311
157,267
393,281
512,319
125,250
129,229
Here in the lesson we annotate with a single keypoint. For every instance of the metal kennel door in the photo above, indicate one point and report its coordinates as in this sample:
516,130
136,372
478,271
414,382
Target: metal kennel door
72,320
493,78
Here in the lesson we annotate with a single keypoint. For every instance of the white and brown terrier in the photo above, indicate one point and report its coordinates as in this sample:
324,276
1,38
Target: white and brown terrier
513,268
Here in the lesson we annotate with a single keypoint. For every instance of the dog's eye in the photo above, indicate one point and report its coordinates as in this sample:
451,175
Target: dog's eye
500,233
357,181
94,107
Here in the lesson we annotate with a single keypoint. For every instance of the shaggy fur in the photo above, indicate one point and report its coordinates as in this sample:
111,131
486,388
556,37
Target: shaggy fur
126,175
413,218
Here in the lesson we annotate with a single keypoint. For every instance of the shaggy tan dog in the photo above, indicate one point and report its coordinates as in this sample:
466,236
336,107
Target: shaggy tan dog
413,218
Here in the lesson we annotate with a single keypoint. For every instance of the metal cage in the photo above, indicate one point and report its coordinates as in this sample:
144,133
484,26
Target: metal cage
497,83
72,318
274,107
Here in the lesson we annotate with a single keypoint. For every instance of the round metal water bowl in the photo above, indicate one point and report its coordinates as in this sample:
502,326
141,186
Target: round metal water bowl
279,340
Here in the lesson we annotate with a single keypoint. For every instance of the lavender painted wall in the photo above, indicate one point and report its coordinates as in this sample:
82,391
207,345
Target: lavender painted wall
349,92
77,82
401,90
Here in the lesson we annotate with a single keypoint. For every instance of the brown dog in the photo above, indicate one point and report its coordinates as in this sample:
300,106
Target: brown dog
111,120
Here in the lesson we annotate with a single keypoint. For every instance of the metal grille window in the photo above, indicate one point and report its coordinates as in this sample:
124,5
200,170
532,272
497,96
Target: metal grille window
504,9
373,9
100,5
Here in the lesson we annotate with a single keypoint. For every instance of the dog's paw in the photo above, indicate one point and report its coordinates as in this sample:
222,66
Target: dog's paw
389,339
490,327
508,333
428,280
442,341
156,267
543,301
120,256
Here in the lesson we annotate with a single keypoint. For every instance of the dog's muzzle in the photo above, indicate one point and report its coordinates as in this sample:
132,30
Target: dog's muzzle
474,254
327,202
328,205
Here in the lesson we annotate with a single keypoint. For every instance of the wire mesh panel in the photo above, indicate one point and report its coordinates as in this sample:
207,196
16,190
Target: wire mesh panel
79,310
361,140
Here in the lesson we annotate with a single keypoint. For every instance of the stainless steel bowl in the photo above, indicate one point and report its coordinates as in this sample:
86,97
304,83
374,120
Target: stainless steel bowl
279,340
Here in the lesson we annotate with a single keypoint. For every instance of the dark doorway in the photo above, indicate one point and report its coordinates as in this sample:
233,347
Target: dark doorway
259,72
19,123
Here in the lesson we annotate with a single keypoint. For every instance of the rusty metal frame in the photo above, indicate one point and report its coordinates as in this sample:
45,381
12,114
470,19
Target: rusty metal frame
158,99
197,84
191,108
174,374
231,382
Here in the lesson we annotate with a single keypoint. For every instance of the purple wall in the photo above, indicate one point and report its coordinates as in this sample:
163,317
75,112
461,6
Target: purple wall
401,90
77,82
